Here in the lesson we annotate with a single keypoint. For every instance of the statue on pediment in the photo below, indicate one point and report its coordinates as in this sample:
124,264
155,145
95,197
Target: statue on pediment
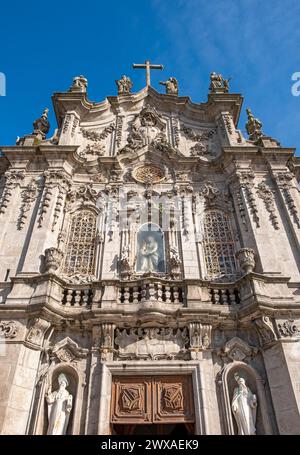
124,85
79,84
218,84
171,86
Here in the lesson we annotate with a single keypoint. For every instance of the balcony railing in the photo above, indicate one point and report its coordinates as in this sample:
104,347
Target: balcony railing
76,298
151,291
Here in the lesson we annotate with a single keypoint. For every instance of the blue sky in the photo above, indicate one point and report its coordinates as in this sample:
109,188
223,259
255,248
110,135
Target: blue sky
256,43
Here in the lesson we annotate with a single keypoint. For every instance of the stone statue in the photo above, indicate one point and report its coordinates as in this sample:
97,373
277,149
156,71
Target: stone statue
79,84
41,125
171,86
253,127
244,404
59,407
148,255
218,84
124,85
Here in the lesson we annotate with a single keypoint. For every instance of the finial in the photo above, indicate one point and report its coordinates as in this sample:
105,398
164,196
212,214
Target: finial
218,84
171,86
41,125
124,85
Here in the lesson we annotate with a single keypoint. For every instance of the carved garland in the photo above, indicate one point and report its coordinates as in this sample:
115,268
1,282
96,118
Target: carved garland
267,195
28,196
12,180
284,181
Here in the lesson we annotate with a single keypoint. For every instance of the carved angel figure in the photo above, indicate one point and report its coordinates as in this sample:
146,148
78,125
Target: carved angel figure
171,86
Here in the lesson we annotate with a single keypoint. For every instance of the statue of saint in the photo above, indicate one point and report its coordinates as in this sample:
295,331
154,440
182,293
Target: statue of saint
244,404
59,407
148,255
124,85
218,84
171,86
41,125
253,126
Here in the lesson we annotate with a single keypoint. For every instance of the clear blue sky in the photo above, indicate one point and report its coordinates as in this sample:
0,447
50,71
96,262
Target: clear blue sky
255,42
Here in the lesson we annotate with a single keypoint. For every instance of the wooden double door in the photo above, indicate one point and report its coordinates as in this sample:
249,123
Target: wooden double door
152,405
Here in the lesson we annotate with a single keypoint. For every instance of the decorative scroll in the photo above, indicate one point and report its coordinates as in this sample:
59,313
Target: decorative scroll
12,180
8,329
288,328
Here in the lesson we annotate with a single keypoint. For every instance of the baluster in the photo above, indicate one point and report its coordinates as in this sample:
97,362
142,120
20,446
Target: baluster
167,294
135,294
176,294
77,297
216,294
159,292
144,293
69,297
152,291
224,298
232,296
85,297
126,295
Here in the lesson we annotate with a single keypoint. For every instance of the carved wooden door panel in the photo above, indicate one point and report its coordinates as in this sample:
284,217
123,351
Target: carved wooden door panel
155,399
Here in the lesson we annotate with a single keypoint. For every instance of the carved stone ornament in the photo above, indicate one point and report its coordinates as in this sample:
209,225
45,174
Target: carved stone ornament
200,336
246,258
267,195
148,173
106,342
68,351
84,193
288,328
147,128
237,350
284,182
53,259
246,185
28,196
201,146
126,269
8,329
41,125
151,343
12,180
37,332
265,330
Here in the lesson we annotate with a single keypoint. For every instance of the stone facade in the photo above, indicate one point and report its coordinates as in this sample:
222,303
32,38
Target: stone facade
149,237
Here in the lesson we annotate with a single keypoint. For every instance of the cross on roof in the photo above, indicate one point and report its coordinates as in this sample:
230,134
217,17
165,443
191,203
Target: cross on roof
148,66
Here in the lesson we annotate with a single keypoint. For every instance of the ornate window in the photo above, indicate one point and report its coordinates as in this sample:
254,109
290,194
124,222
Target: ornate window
218,245
80,249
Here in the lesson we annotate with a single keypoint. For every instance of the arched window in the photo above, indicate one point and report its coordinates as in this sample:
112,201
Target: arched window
80,248
218,245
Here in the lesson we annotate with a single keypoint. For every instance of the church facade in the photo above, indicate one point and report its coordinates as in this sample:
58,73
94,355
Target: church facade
149,272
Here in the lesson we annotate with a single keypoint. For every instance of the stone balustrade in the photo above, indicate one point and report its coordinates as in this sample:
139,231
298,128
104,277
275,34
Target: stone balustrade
151,291
77,297
225,295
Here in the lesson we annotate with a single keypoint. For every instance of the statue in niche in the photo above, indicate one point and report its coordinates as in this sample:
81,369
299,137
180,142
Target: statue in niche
59,407
244,404
150,252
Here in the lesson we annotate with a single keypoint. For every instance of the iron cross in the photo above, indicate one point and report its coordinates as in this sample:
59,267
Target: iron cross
148,66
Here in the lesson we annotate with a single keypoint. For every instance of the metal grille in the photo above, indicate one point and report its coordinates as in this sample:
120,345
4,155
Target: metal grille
218,246
80,250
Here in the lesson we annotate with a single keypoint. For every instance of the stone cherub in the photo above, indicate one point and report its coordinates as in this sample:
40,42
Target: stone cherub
218,84
124,85
171,86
